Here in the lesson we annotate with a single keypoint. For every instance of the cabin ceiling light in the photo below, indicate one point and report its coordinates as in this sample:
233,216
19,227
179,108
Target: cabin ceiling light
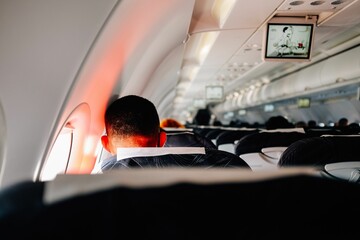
178,100
189,72
221,10
207,40
265,80
183,85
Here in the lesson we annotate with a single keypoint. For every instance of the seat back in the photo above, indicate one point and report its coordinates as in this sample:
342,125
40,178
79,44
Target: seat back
319,151
226,140
267,159
319,131
210,158
347,171
187,139
201,199
214,133
257,141
203,130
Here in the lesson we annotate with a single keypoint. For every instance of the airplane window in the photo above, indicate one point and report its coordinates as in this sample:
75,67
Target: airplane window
58,159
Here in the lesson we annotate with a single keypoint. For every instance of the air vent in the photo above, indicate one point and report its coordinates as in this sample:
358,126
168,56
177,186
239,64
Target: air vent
296,3
314,7
317,3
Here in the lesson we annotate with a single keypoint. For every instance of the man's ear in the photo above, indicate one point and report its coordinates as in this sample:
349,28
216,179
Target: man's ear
162,138
105,143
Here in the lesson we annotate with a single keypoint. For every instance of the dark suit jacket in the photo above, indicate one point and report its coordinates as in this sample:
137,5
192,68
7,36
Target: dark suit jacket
212,158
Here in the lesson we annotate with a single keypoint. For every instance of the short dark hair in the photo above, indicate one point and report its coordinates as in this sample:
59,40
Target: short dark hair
132,115
343,122
202,117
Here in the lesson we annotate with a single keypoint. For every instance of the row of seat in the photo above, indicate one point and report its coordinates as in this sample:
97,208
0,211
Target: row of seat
180,204
256,150
265,150
224,135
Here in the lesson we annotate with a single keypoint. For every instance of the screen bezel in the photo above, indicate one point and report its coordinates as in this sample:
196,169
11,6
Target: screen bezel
218,89
282,22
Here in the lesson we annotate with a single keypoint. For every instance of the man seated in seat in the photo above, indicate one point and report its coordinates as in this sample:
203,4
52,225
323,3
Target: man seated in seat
132,121
132,124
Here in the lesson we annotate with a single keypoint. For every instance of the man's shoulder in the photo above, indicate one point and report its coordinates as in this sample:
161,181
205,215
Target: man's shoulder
112,162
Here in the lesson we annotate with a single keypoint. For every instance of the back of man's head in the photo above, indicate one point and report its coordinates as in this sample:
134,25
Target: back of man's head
132,115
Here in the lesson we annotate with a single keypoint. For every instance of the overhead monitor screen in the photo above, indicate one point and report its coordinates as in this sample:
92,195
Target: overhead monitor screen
303,102
214,93
269,108
288,39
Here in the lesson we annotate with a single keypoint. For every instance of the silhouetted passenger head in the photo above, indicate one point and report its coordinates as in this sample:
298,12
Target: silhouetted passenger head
311,123
202,117
277,122
343,122
300,124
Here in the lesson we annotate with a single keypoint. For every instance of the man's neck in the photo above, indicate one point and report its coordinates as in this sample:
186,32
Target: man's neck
135,141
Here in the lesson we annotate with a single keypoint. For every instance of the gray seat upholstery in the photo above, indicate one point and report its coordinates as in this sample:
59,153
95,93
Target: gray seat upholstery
187,139
211,158
194,211
257,141
318,151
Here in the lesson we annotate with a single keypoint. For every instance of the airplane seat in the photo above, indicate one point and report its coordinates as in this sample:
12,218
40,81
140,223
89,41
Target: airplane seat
122,201
21,199
175,157
226,140
202,130
318,131
319,151
173,139
212,134
187,139
255,142
350,130
347,171
261,150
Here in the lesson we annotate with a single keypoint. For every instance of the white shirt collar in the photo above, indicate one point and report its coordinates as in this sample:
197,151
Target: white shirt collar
123,153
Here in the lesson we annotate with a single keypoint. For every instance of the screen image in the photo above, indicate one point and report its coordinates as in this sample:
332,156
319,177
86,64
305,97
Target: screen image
214,93
303,102
288,41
